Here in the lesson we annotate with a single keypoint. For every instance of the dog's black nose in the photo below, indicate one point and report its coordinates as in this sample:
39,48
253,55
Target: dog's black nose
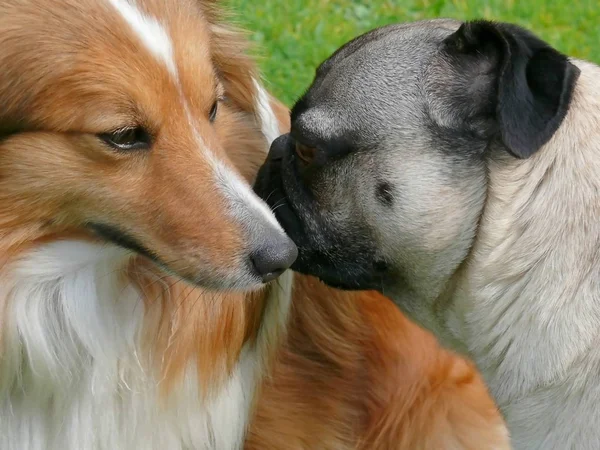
274,257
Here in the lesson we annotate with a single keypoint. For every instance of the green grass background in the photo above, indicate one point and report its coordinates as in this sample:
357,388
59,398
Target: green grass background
294,36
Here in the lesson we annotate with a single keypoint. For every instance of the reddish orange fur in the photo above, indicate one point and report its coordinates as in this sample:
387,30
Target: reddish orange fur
354,373
54,175
186,324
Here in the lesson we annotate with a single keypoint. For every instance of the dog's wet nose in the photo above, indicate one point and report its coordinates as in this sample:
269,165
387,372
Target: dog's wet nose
274,257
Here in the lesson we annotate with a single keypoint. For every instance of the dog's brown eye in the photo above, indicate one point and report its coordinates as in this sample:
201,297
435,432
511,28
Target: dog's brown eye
213,111
305,153
127,139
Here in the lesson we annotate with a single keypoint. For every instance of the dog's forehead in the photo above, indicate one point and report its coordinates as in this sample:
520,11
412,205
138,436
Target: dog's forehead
106,60
380,61
372,80
398,36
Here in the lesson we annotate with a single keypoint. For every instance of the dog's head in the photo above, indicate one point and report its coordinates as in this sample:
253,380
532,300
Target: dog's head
383,178
116,120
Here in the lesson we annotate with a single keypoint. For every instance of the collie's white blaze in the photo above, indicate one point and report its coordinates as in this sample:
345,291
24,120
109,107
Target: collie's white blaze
149,31
73,373
244,203
268,119
243,200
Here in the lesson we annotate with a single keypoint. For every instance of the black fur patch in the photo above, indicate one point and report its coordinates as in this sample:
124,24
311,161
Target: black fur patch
385,193
530,83
122,239
8,129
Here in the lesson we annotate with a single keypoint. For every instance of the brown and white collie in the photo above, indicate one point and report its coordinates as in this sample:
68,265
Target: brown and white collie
135,311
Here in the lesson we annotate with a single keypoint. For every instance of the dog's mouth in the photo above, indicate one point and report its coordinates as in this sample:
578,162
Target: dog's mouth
270,186
115,235
122,239
321,252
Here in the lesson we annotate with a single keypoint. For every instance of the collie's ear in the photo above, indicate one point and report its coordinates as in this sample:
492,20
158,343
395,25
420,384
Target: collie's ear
230,48
531,84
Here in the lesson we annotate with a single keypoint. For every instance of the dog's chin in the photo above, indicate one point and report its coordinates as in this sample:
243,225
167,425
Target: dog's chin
345,276
346,284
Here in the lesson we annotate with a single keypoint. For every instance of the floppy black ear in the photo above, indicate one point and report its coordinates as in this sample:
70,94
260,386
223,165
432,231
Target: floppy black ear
532,83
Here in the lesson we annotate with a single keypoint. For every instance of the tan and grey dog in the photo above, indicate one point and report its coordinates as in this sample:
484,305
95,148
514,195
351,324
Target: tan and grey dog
456,168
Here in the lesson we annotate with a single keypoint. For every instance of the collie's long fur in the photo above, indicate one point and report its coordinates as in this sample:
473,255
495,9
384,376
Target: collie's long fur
354,373
103,348
100,348
99,356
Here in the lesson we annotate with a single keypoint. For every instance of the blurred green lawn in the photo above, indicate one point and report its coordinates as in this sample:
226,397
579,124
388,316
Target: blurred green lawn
294,36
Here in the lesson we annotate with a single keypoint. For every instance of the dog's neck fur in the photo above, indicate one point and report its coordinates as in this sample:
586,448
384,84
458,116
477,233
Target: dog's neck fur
526,304
76,372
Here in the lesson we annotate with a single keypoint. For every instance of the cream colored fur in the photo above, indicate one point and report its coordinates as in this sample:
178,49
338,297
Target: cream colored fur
526,304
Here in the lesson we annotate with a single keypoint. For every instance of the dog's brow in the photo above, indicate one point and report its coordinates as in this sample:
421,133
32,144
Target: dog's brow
299,107
151,33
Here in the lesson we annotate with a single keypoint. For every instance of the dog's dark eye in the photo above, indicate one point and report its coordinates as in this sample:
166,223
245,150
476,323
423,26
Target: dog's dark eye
305,153
212,115
127,139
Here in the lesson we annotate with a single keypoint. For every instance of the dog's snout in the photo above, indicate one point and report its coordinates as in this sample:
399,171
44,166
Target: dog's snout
274,257
278,147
